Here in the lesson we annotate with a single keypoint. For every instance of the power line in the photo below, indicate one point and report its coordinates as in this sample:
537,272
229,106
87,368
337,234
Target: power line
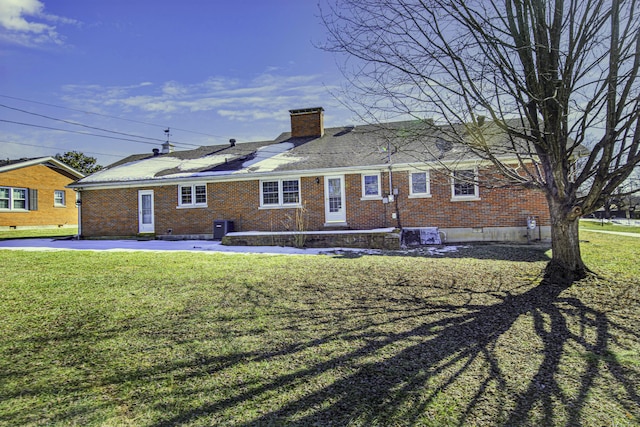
88,134
40,146
77,123
107,116
92,127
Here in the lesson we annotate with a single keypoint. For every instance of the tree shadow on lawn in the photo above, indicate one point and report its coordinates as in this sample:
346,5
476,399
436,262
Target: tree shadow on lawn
530,355
534,252
457,365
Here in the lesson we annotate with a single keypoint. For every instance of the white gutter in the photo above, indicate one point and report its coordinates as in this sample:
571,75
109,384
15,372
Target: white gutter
241,175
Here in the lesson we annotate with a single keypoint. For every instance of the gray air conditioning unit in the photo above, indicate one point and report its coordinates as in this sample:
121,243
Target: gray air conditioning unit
221,227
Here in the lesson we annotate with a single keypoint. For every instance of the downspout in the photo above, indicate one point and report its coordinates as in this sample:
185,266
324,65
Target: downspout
391,192
395,199
79,206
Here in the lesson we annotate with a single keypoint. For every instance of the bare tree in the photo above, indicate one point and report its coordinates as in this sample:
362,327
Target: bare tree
568,69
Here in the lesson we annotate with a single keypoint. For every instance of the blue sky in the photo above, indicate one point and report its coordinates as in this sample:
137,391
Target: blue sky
209,70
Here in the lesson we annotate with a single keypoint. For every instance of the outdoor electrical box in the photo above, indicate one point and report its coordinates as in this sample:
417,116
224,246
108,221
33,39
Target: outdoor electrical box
221,227
532,225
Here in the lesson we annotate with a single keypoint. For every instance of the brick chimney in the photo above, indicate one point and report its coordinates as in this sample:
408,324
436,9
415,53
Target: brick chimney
307,122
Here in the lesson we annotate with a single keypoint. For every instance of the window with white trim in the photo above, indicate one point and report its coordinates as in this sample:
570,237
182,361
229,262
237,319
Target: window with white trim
420,185
194,195
5,198
14,198
464,184
281,192
59,198
371,185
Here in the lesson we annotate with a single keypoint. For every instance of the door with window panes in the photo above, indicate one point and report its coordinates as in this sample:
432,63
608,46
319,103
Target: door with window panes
334,199
145,211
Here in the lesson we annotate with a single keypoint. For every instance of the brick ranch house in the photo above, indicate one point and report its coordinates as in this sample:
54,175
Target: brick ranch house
34,194
315,180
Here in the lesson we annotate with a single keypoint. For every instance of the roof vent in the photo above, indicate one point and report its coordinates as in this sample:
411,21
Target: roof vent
232,142
444,145
156,152
345,130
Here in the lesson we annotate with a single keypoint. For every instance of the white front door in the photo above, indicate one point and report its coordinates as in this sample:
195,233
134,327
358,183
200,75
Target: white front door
145,211
334,201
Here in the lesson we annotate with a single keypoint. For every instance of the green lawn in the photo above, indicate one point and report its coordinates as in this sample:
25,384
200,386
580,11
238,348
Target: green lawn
201,339
38,233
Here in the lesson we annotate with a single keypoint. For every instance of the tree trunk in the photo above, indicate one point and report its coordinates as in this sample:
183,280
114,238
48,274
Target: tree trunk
566,264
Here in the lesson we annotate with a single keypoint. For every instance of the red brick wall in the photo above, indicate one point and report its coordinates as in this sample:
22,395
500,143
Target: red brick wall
366,214
109,212
114,212
497,207
46,181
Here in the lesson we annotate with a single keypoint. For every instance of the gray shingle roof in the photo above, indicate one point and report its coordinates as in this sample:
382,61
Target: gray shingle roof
398,143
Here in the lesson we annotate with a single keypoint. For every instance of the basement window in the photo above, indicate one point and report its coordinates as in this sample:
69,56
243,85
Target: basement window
191,196
280,193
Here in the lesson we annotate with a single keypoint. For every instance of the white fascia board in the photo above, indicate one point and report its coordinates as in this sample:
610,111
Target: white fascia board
454,164
234,176
39,161
230,177
66,167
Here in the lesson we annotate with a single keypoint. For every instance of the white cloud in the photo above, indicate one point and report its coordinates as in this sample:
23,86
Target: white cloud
174,89
30,144
264,97
21,22
251,115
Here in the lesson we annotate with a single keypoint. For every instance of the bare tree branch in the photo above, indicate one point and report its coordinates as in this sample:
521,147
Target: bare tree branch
559,77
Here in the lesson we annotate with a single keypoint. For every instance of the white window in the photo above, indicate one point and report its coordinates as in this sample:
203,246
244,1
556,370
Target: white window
371,186
5,198
13,198
19,198
59,198
464,185
194,195
420,185
282,192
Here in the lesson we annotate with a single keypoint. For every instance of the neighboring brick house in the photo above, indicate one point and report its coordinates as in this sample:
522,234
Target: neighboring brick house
34,194
347,178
